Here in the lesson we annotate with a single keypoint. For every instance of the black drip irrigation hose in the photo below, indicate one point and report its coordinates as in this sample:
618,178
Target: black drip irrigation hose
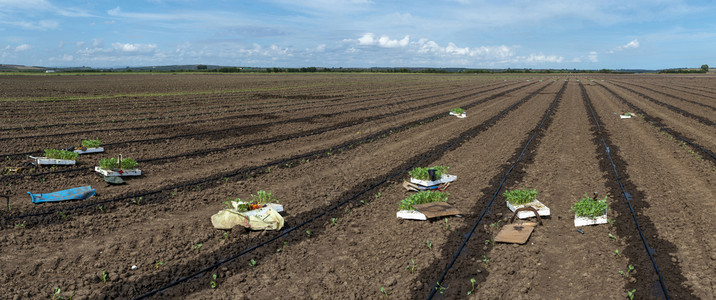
275,162
243,127
452,144
671,107
626,195
661,126
499,187
672,96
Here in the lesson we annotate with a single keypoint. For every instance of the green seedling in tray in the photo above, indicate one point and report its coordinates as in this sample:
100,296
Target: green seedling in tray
422,197
91,143
519,197
113,163
590,208
257,201
422,173
457,110
60,154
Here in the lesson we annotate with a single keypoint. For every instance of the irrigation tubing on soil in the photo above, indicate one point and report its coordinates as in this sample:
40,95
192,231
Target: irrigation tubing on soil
669,106
499,187
294,120
285,232
626,195
278,162
661,126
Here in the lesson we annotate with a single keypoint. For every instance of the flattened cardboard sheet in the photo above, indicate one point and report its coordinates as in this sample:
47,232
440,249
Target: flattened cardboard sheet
437,209
515,233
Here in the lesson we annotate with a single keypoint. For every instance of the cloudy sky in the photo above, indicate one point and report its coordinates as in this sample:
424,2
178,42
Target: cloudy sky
586,34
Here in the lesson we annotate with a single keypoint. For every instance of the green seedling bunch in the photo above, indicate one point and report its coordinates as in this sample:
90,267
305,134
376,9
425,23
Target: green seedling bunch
590,208
198,246
486,261
91,143
60,154
263,197
252,263
457,110
257,201
421,198
113,163
422,173
519,197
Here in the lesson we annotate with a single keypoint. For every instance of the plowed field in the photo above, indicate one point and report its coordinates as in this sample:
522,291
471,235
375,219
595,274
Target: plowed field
335,150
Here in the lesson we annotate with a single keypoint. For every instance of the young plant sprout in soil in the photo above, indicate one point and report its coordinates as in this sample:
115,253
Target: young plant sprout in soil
457,110
421,198
590,208
422,173
60,154
91,143
519,197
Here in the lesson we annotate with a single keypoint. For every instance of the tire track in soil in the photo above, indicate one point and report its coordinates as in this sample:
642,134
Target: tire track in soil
705,153
281,138
531,141
647,282
670,95
45,216
359,189
671,107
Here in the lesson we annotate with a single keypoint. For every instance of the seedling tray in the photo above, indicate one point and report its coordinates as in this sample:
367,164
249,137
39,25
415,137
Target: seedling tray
585,221
51,161
277,207
411,215
542,209
443,179
89,150
124,172
461,116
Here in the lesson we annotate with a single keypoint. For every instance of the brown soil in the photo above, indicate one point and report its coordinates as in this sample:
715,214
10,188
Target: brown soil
334,149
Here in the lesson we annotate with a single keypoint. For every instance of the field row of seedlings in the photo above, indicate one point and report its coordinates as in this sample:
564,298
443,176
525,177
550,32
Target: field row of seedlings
338,172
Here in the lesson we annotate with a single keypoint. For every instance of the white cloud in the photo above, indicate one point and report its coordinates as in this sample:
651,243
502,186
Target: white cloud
592,56
538,58
633,44
97,43
23,47
369,39
128,47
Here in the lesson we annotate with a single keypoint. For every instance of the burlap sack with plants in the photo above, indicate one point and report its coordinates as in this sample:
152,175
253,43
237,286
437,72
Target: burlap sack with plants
270,219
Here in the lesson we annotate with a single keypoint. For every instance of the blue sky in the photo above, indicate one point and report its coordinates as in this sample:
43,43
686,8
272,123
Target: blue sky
585,34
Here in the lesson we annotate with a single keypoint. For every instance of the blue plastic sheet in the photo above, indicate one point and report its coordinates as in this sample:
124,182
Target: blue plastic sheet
79,193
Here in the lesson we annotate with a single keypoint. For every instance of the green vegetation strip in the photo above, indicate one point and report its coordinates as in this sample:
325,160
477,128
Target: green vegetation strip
590,208
421,198
422,173
519,197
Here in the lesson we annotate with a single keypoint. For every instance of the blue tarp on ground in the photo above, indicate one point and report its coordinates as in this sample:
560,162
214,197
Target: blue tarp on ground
79,193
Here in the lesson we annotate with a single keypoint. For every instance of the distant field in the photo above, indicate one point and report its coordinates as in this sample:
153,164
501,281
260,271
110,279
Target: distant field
335,150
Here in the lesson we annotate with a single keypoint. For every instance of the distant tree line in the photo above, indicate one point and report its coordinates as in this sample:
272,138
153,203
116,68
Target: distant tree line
704,69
